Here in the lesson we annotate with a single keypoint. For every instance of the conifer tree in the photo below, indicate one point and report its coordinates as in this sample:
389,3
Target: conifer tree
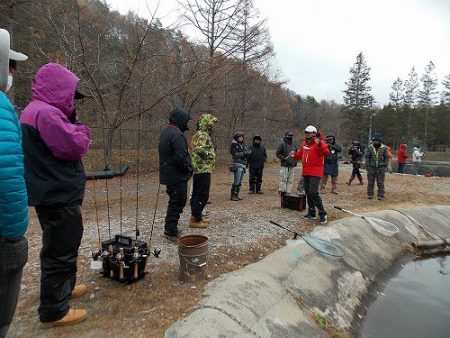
396,96
410,98
445,96
358,99
427,95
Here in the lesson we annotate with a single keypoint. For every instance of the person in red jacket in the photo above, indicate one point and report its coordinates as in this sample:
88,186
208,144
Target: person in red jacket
401,157
313,151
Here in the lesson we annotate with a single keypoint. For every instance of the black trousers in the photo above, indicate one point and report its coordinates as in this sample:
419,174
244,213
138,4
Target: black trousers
255,178
200,193
356,172
62,228
311,184
13,256
177,201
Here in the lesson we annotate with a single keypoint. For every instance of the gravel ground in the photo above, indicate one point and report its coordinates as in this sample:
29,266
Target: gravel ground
239,234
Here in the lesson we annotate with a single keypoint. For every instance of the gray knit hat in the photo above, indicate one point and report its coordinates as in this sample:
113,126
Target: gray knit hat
7,54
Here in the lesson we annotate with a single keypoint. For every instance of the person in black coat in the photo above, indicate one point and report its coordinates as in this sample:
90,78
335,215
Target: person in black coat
175,169
256,160
239,154
331,165
357,153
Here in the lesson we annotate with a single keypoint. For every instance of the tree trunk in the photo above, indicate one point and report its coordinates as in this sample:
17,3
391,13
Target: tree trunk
108,146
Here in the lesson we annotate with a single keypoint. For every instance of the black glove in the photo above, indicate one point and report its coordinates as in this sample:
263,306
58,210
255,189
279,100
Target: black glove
73,117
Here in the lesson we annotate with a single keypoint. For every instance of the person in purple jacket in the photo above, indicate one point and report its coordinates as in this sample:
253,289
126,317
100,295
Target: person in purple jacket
54,143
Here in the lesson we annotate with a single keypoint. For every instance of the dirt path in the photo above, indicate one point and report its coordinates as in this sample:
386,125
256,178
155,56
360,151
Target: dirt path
239,234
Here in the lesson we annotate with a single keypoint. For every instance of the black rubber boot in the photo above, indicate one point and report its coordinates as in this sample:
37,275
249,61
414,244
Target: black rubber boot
238,188
233,195
258,188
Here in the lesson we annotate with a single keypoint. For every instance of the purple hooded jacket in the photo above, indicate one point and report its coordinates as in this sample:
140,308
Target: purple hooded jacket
53,146
49,111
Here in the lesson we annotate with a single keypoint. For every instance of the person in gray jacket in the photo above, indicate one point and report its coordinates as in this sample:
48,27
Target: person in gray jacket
288,164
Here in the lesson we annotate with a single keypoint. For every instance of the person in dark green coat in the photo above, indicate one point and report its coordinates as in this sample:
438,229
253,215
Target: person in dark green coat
376,163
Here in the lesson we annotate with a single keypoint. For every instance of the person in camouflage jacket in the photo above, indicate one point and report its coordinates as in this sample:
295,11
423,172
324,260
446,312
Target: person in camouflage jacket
203,161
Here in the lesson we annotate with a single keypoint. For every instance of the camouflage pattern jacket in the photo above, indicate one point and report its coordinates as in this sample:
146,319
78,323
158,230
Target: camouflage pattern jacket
202,148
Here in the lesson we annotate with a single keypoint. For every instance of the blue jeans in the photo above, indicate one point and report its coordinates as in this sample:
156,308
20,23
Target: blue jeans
13,256
238,176
401,168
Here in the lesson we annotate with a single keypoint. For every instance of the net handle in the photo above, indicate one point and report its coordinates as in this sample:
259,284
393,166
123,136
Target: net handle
349,212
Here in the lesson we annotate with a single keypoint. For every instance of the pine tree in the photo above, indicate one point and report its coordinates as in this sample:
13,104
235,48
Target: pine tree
411,85
410,98
444,113
445,96
358,99
427,95
396,96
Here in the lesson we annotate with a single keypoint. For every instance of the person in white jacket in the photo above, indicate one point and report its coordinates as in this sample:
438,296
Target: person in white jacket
416,158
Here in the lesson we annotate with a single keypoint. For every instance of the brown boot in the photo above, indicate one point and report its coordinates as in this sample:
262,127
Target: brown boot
322,188
78,290
198,223
72,317
334,191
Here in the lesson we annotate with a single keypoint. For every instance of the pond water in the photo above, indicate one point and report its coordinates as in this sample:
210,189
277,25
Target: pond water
415,304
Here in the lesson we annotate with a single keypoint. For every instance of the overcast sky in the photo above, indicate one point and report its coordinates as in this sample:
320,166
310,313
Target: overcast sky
316,41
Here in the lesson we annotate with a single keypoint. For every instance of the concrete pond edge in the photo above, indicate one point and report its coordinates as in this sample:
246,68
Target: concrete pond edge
276,296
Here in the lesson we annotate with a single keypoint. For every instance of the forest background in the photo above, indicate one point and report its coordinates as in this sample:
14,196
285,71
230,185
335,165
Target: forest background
136,71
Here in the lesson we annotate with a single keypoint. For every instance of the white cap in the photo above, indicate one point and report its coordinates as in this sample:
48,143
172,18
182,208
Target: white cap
310,129
16,56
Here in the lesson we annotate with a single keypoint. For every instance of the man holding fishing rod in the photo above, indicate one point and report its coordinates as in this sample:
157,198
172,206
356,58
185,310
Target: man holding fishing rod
313,151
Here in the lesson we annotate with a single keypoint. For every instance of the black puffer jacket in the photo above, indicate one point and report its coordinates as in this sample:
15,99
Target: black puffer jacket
174,159
357,154
239,152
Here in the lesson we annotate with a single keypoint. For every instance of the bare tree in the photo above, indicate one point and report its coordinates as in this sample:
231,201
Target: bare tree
126,61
